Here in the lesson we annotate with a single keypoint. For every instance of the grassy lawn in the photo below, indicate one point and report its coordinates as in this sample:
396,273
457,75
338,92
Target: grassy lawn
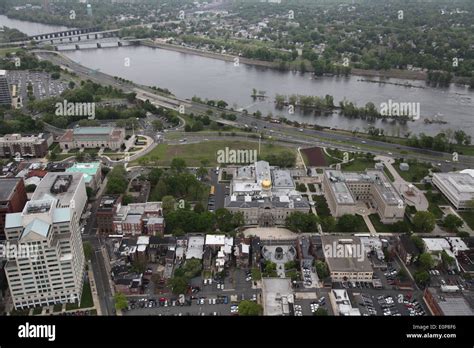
91,151
4,51
322,207
359,164
436,199
86,299
388,174
37,310
361,226
424,187
57,308
193,154
416,172
55,147
381,227
334,153
73,151
468,217
20,312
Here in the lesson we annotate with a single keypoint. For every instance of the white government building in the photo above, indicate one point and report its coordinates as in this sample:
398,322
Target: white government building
49,226
265,195
457,187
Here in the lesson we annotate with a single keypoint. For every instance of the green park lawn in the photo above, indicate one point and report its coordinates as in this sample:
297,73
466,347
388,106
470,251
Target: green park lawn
194,154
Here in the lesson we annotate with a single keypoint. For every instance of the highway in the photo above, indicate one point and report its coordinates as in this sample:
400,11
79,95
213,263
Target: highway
305,136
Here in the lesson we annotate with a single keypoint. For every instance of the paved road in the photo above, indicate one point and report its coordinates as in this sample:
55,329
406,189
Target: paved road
101,275
220,191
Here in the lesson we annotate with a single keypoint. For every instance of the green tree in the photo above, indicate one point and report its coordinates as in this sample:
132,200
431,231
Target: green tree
452,223
127,199
270,269
199,208
179,284
301,222
418,242
178,164
321,269
348,223
256,274
448,261
120,301
421,277
157,125
250,308
117,182
192,268
426,261
424,221
168,204
328,223
201,172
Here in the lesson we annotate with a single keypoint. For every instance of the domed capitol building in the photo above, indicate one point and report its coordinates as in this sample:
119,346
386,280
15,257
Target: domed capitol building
265,195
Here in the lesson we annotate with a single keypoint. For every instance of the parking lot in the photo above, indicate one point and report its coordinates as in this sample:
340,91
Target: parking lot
43,85
308,307
209,297
388,303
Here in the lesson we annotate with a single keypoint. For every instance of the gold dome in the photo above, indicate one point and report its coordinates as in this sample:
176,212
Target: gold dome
266,184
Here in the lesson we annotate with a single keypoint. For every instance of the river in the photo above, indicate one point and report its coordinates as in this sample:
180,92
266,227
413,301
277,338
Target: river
188,75
29,28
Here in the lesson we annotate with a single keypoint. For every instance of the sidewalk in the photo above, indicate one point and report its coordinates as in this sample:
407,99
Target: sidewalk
95,296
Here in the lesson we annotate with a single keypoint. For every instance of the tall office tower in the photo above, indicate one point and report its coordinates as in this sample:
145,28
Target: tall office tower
53,270
5,95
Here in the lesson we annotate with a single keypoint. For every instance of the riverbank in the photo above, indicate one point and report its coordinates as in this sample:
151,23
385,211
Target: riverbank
392,73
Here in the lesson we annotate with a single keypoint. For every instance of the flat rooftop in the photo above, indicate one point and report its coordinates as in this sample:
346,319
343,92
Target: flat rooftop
345,254
291,201
436,244
340,184
282,178
43,190
92,130
276,293
195,247
88,169
7,188
460,184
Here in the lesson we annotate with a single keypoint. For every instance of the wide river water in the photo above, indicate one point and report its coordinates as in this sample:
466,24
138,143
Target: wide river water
188,75
29,28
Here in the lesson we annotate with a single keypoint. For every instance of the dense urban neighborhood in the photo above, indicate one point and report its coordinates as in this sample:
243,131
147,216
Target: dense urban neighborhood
120,197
